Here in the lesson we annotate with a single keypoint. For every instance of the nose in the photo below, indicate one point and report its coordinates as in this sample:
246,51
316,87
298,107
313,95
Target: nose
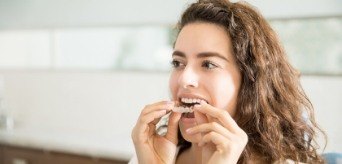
189,78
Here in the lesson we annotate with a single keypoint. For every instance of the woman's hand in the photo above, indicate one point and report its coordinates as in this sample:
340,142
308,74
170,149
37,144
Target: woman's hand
149,146
222,139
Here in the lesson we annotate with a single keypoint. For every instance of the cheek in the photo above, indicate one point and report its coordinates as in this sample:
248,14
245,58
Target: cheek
224,92
173,84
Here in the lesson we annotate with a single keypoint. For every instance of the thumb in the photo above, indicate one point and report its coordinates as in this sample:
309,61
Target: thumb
172,128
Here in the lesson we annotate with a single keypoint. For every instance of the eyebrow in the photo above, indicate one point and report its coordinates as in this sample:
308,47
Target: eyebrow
201,55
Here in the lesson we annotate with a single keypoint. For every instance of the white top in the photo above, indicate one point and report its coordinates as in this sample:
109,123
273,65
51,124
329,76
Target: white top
134,160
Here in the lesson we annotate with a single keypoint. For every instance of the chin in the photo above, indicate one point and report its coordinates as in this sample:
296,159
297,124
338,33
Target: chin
190,138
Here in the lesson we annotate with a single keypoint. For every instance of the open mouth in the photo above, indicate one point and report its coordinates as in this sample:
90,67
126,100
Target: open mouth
186,106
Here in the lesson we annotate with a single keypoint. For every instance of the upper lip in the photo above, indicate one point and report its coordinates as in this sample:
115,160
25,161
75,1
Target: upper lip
191,96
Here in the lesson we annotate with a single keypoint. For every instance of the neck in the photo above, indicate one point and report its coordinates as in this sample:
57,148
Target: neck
191,155
196,152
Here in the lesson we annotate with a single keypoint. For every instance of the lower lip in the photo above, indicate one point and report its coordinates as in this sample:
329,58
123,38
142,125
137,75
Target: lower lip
188,120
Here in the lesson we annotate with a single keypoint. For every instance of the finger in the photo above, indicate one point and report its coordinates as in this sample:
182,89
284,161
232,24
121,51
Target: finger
221,115
200,118
209,127
219,140
152,125
144,121
172,129
162,105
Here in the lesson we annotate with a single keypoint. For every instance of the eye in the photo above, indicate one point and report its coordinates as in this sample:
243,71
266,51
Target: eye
208,64
175,63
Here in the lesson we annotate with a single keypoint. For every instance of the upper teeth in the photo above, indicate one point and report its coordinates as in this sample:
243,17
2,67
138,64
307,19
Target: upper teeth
189,100
181,109
184,109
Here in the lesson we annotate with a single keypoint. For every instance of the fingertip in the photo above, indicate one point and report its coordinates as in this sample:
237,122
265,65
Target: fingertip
164,111
197,106
175,116
176,113
178,116
203,103
189,131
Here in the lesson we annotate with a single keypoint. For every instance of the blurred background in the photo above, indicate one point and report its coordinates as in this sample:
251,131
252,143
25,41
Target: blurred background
74,74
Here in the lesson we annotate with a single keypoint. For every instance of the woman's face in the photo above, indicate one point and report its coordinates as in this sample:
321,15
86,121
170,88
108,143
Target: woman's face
204,68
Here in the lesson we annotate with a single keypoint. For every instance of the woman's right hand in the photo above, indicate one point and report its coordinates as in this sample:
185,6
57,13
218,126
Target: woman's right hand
149,146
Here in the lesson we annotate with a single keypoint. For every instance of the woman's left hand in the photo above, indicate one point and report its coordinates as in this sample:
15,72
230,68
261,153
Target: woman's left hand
222,139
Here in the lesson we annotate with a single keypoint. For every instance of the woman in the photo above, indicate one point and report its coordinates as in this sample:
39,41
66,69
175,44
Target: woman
242,100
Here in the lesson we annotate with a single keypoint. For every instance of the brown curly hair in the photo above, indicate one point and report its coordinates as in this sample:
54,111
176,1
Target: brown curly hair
272,107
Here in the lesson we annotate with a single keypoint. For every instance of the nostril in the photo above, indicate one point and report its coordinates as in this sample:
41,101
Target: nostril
187,86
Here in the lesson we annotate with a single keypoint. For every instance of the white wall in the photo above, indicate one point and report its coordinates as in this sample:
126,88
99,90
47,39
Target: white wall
17,14
325,94
99,102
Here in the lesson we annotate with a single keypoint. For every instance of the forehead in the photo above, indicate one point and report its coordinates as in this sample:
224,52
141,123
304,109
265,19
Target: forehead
195,38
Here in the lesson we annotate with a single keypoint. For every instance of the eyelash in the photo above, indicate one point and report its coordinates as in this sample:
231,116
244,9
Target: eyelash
175,63
206,63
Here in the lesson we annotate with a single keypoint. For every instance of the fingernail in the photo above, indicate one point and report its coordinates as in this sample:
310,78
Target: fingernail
188,131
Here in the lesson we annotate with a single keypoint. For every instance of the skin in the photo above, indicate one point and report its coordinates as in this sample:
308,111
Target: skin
215,136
